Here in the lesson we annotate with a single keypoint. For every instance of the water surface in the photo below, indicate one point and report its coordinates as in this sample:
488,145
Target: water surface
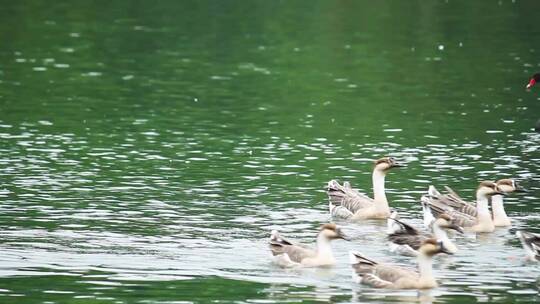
148,149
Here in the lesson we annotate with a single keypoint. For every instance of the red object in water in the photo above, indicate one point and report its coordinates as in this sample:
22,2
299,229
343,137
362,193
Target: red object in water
534,79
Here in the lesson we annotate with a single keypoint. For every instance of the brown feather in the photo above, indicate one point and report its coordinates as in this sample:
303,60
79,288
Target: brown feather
347,197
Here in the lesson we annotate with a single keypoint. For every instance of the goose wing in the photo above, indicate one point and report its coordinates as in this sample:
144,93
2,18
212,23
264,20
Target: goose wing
402,238
458,218
404,227
391,273
360,264
437,207
406,235
453,200
295,252
347,197
375,282
462,219
339,211
531,243
378,275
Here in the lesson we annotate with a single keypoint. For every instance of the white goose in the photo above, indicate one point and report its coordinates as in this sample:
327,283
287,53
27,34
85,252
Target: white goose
347,203
434,204
289,254
378,275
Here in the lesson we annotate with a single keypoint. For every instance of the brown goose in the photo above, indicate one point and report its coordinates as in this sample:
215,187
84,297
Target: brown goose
347,203
388,276
289,254
500,218
435,204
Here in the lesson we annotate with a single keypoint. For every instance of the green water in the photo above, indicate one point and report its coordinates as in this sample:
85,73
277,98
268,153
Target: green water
148,149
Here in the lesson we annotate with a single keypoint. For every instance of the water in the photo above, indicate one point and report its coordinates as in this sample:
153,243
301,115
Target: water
148,149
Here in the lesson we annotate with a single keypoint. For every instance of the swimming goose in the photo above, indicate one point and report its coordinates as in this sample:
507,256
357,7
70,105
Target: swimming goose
434,203
531,244
288,254
407,240
346,202
500,219
378,275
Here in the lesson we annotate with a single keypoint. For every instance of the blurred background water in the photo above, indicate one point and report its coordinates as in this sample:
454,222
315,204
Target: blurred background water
148,148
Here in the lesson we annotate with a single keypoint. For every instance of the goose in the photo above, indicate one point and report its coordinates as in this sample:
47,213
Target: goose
500,219
289,254
406,240
377,275
531,244
534,79
347,203
434,203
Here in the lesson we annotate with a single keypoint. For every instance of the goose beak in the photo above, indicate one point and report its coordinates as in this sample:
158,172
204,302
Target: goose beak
518,188
398,165
531,83
341,235
456,228
498,191
444,250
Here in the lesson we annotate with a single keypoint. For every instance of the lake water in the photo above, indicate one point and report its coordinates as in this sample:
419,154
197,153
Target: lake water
147,149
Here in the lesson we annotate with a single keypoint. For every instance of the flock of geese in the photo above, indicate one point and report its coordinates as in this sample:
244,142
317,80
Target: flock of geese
441,212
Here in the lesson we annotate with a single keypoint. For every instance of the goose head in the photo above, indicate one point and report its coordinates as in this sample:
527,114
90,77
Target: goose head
386,163
331,232
508,185
431,247
535,78
447,222
487,189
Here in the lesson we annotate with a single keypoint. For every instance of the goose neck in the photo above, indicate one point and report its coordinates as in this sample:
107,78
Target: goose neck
482,205
323,247
379,194
439,233
425,267
497,205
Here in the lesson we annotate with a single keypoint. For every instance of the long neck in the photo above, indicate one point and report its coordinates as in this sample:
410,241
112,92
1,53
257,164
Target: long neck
425,268
439,233
323,247
482,208
499,214
378,187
